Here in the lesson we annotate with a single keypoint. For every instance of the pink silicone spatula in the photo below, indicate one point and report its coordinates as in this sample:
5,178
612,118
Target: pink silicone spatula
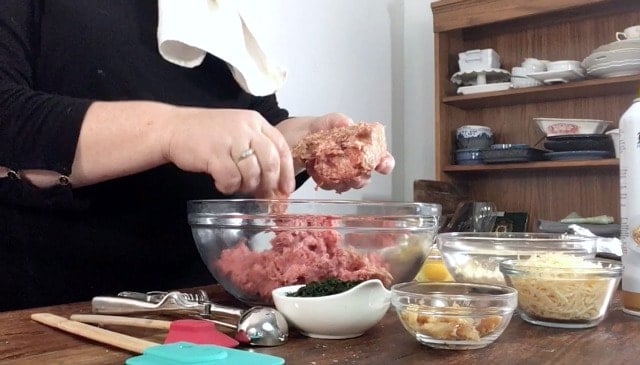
188,330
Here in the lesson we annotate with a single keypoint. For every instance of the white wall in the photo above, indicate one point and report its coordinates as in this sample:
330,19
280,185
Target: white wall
419,100
370,59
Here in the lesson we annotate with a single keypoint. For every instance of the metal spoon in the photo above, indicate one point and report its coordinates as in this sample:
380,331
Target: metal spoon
256,326
262,326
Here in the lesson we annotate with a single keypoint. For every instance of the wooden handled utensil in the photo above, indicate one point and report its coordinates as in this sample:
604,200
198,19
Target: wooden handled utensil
158,354
189,330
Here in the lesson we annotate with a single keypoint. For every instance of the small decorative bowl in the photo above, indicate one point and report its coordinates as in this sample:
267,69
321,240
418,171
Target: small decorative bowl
568,126
571,292
344,315
455,316
474,136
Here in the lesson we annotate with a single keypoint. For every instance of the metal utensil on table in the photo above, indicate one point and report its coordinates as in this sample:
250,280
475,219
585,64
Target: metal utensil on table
257,326
157,296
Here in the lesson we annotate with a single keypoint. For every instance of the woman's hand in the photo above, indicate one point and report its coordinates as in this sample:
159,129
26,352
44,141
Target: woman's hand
238,148
122,138
294,129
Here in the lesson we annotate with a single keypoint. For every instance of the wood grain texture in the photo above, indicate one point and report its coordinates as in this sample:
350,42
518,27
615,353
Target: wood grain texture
456,14
23,341
537,165
553,30
103,319
112,338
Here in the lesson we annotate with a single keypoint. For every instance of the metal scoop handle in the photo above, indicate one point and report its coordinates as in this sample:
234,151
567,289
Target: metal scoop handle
172,301
133,302
250,325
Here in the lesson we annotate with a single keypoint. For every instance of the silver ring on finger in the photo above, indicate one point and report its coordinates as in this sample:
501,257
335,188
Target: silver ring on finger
245,154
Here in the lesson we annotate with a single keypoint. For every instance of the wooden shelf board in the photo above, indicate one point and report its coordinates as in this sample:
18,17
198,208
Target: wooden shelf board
539,165
571,90
456,14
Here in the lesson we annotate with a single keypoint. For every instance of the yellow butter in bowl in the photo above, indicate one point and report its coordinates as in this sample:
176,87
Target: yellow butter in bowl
433,269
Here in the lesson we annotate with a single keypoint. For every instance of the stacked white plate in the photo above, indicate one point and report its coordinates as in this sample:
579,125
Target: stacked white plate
481,81
620,58
480,77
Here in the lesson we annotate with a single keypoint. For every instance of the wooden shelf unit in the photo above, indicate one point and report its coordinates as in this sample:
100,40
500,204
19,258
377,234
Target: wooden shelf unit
539,165
544,29
556,92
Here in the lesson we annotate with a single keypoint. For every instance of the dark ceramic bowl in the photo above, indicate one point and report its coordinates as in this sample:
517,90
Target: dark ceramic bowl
469,156
590,142
508,155
480,141
474,136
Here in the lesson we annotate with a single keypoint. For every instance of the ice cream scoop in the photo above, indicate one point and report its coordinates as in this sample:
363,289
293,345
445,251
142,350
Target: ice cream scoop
256,326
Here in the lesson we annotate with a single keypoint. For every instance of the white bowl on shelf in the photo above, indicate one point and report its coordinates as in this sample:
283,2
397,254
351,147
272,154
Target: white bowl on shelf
565,65
518,82
534,65
569,126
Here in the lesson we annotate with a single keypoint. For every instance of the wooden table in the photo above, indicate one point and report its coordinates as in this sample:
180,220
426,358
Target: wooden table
614,341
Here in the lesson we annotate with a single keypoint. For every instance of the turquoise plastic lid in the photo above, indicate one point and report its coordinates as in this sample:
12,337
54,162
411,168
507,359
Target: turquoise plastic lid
190,354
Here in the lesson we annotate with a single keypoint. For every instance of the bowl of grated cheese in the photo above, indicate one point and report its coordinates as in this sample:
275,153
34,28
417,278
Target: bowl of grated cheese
563,291
474,257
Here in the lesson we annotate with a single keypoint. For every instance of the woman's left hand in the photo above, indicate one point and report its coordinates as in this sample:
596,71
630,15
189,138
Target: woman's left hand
294,129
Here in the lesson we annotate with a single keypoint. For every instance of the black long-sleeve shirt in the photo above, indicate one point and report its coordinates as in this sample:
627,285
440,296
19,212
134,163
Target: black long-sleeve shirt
61,244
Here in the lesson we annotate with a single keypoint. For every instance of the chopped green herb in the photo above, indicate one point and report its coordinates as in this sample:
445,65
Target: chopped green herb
325,287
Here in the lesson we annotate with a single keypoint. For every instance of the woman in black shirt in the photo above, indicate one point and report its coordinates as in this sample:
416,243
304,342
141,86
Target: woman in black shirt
102,141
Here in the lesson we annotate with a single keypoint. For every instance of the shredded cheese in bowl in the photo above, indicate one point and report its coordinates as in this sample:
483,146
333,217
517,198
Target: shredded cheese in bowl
560,290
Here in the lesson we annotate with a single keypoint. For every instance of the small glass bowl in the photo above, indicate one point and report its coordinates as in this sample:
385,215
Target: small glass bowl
563,297
473,257
454,316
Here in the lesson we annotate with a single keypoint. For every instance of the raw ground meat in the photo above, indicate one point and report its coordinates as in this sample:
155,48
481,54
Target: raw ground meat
340,155
298,257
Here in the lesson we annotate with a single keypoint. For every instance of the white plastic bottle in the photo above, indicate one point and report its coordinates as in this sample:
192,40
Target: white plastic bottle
630,207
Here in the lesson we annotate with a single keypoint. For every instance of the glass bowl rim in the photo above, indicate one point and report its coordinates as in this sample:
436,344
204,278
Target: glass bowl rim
507,292
366,202
514,236
226,213
515,267
470,242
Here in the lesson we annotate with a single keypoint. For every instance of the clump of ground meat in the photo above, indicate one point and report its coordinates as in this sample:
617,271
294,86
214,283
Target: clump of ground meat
298,256
337,156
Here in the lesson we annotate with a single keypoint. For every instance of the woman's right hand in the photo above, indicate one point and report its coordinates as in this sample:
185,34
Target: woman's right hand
212,141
